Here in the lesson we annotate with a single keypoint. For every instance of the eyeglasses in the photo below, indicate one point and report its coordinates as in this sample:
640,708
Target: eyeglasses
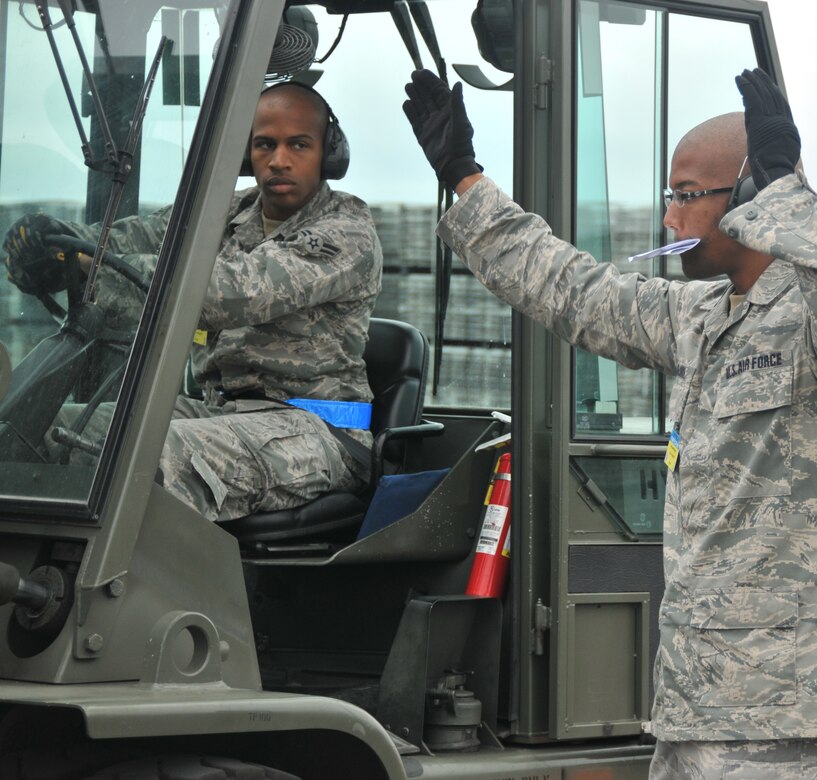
679,197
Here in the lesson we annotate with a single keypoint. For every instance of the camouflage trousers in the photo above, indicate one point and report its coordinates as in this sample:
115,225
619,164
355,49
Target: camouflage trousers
785,759
228,464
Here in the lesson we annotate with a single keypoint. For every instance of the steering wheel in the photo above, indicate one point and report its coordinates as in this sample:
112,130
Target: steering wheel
85,358
75,247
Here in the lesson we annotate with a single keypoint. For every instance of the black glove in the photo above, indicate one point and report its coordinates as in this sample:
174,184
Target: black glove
774,143
438,118
34,266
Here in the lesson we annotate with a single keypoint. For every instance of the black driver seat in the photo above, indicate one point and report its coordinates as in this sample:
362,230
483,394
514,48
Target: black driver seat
396,359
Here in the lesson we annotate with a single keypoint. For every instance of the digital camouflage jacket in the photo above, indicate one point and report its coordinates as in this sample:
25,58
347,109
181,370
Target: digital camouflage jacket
738,622
286,315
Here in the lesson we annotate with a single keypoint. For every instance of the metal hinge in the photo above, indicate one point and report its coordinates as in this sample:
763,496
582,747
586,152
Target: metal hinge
542,83
541,624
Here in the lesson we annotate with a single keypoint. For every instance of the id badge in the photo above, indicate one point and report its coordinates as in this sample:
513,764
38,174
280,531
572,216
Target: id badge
673,449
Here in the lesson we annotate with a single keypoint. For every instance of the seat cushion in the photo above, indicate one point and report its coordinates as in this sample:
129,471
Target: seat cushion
397,496
325,514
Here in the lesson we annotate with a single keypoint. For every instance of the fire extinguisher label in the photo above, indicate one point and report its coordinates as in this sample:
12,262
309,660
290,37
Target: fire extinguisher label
492,529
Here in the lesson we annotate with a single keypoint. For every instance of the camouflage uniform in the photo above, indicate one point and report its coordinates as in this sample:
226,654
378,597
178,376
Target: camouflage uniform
785,759
738,651
286,316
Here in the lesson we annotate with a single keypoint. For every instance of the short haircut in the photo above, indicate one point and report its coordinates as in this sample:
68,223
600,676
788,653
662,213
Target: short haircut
312,96
722,139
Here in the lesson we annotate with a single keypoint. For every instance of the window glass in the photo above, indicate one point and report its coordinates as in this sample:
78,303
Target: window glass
638,92
632,490
67,370
732,50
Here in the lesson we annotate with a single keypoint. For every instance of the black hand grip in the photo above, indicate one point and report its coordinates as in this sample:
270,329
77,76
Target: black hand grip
14,588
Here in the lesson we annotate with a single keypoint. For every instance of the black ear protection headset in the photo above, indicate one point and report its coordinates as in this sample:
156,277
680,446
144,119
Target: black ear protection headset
744,189
335,159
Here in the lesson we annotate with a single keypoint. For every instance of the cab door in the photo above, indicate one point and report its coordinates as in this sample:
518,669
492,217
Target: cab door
606,91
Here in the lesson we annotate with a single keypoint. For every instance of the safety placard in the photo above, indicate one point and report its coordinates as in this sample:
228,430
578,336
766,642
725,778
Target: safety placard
492,529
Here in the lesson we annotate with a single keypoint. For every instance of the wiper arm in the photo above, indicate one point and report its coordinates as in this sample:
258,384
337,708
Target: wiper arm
48,27
124,167
119,162
110,146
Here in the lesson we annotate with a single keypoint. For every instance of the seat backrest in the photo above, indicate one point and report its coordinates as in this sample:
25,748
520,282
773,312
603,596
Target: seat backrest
396,363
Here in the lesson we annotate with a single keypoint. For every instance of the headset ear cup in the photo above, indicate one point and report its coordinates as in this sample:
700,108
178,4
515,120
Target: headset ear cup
743,191
335,160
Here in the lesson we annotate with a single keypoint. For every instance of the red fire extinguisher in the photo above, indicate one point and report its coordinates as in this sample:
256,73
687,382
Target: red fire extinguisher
493,554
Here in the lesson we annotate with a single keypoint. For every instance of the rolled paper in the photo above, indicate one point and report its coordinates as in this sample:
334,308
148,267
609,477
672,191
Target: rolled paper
676,248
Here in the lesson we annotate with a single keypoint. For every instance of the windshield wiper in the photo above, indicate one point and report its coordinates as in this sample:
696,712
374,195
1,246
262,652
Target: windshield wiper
124,166
118,162
110,147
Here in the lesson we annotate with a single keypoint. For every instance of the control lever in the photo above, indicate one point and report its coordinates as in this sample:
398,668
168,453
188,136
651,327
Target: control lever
75,441
26,593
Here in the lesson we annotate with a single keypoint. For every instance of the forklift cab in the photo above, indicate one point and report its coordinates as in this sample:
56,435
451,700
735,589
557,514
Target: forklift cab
135,630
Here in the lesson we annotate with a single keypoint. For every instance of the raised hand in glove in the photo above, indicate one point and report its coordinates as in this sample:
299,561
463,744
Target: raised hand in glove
33,265
774,143
438,118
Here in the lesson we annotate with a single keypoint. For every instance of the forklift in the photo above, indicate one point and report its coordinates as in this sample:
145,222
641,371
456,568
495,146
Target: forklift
139,639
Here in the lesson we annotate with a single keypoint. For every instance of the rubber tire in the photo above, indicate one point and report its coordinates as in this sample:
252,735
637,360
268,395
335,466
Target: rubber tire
189,768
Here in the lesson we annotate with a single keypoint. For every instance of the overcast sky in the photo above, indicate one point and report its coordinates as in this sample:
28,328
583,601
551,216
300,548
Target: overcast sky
795,23
371,46
702,87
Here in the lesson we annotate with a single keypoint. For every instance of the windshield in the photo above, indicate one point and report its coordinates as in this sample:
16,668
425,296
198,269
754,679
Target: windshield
80,143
